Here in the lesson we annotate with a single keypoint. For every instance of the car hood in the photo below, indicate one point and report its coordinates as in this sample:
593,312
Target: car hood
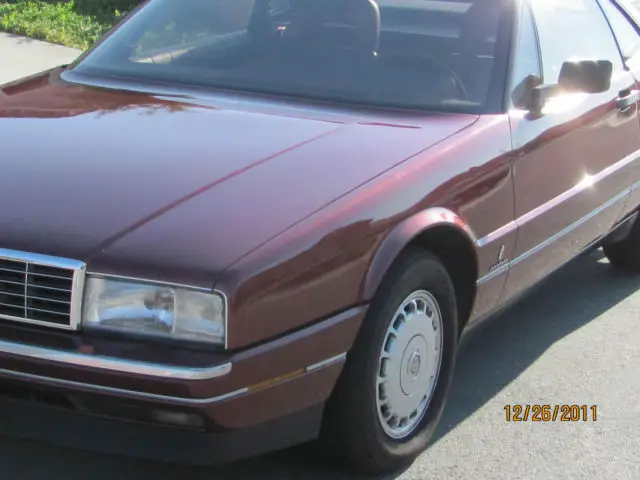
124,178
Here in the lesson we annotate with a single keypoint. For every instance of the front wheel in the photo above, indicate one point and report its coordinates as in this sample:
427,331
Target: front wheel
392,392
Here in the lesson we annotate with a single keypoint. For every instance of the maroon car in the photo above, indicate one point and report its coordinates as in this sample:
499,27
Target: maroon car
239,225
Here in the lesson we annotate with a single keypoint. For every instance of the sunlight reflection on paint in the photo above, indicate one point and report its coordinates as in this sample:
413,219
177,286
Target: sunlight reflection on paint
587,182
564,103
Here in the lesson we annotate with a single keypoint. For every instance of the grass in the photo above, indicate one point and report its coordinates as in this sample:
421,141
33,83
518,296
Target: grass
58,21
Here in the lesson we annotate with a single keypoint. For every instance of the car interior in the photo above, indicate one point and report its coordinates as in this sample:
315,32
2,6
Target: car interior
397,52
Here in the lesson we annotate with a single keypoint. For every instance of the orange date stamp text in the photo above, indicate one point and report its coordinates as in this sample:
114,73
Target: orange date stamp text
551,413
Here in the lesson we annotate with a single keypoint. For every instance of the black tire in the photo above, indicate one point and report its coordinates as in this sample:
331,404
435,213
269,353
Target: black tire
351,428
625,255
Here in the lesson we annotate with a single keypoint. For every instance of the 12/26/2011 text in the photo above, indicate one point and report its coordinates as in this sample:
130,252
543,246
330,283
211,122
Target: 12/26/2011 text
551,413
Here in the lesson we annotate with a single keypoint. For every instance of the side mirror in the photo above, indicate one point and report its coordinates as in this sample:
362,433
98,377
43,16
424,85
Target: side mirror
587,76
522,95
539,97
582,76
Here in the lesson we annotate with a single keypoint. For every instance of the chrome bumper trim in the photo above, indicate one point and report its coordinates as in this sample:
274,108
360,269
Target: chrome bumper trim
169,372
58,382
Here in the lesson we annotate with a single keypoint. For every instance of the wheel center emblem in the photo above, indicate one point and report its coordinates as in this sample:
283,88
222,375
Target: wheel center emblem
413,365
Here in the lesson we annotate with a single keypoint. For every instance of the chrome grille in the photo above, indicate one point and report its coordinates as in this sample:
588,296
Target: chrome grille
40,289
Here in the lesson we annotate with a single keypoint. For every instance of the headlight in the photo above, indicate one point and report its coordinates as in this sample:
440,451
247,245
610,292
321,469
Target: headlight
159,310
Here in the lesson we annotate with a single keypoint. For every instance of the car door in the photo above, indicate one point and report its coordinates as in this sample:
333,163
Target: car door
572,162
624,19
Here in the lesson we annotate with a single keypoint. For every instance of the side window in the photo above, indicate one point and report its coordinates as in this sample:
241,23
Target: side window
572,30
623,28
526,65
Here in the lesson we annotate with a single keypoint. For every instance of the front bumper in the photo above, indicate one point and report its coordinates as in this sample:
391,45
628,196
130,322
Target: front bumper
261,399
131,439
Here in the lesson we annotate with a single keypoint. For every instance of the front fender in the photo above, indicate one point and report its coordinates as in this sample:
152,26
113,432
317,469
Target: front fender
403,234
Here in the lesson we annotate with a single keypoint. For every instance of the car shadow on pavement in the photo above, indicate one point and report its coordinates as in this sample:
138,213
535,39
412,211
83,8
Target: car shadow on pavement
496,352
492,355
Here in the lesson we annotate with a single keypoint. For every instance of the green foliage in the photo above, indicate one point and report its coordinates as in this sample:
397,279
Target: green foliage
77,23
105,5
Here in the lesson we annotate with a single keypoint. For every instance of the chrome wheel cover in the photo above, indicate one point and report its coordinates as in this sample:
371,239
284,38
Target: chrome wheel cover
409,364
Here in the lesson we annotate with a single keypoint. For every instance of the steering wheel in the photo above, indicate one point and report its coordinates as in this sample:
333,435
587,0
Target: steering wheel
445,66
415,60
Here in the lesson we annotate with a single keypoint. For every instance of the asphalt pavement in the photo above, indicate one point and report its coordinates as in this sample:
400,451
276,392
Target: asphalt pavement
573,341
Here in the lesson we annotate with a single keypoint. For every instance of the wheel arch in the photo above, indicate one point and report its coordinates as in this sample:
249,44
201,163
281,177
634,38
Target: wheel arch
446,235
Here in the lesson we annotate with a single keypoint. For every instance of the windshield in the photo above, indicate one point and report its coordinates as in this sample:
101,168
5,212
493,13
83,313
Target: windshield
418,54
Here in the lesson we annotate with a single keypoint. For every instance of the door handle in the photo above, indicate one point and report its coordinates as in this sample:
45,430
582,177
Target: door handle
627,99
